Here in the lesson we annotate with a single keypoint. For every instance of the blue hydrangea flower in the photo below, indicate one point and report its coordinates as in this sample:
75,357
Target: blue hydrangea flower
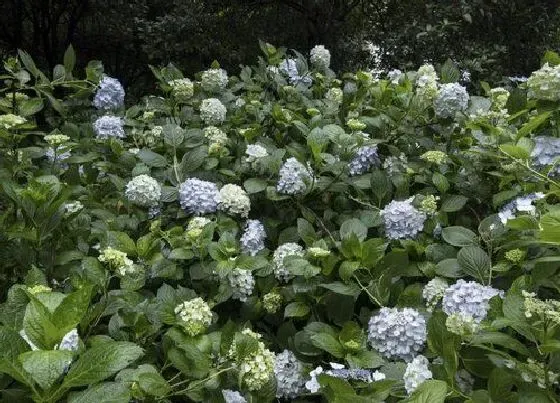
252,240
469,298
288,373
364,159
546,152
107,127
109,95
416,373
397,333
402,220
294,177
451,98
198,196
521,204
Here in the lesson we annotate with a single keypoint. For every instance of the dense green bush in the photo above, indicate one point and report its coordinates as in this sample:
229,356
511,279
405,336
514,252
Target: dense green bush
286,233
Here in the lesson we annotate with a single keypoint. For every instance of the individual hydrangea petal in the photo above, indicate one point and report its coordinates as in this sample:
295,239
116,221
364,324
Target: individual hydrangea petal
320,57
214,80
288,372
294,177
252,240
402,220
107,127
470,298
288,249
397,333
242,284
544,84
451,98
109,95
234,200
198,196
143,190
212,112
364,159
416,373
195,316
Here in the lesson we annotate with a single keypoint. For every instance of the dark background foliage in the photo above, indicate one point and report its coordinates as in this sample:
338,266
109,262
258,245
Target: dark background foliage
490,38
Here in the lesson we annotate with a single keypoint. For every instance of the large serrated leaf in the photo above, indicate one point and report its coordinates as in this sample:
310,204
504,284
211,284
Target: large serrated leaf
107,392
46,366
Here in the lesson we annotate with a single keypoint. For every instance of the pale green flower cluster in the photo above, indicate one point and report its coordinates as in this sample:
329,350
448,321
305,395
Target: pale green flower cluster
544,84
117,260
234,200
462,324
182,89
256,368
217,140
429,204
195,227
10,120
334,95
318,252
534,372
426,82
356,125
499,97
434,156
56,139
433,292
39,288
212,111
72,207
214,80
515,255
548,310
272,301
195,316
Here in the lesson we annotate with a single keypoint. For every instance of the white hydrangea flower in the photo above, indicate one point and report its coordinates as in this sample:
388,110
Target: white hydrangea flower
214,80
520,204
252,240
395,164
320,57
255,152
198,196
433,292
397,333
233,396
289,67
195,227
109,95
117,260
416,373
10,120
212,112
288,372
470,298
394,76
195,316
364,159
451,98
335,95
257,368
294,177
56,139
426,82
70,341
544,84
143,190
402,220
215,135
313,384
72,207
282,252
107,127
234,200
242,284
182,89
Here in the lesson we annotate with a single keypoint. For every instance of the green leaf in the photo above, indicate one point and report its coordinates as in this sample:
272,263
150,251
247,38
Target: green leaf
343,289
550,227
515,151
46,366
11,346
353,226
500,385
72,309
193,159
153,384
459,236
328,343
475,262
38,325
453,203
365,359
440,182
500,339
449,72
173,135
533,124
255,185
69,59
107,392
151,158
306,231
449,268
100,362
429,392
296,309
